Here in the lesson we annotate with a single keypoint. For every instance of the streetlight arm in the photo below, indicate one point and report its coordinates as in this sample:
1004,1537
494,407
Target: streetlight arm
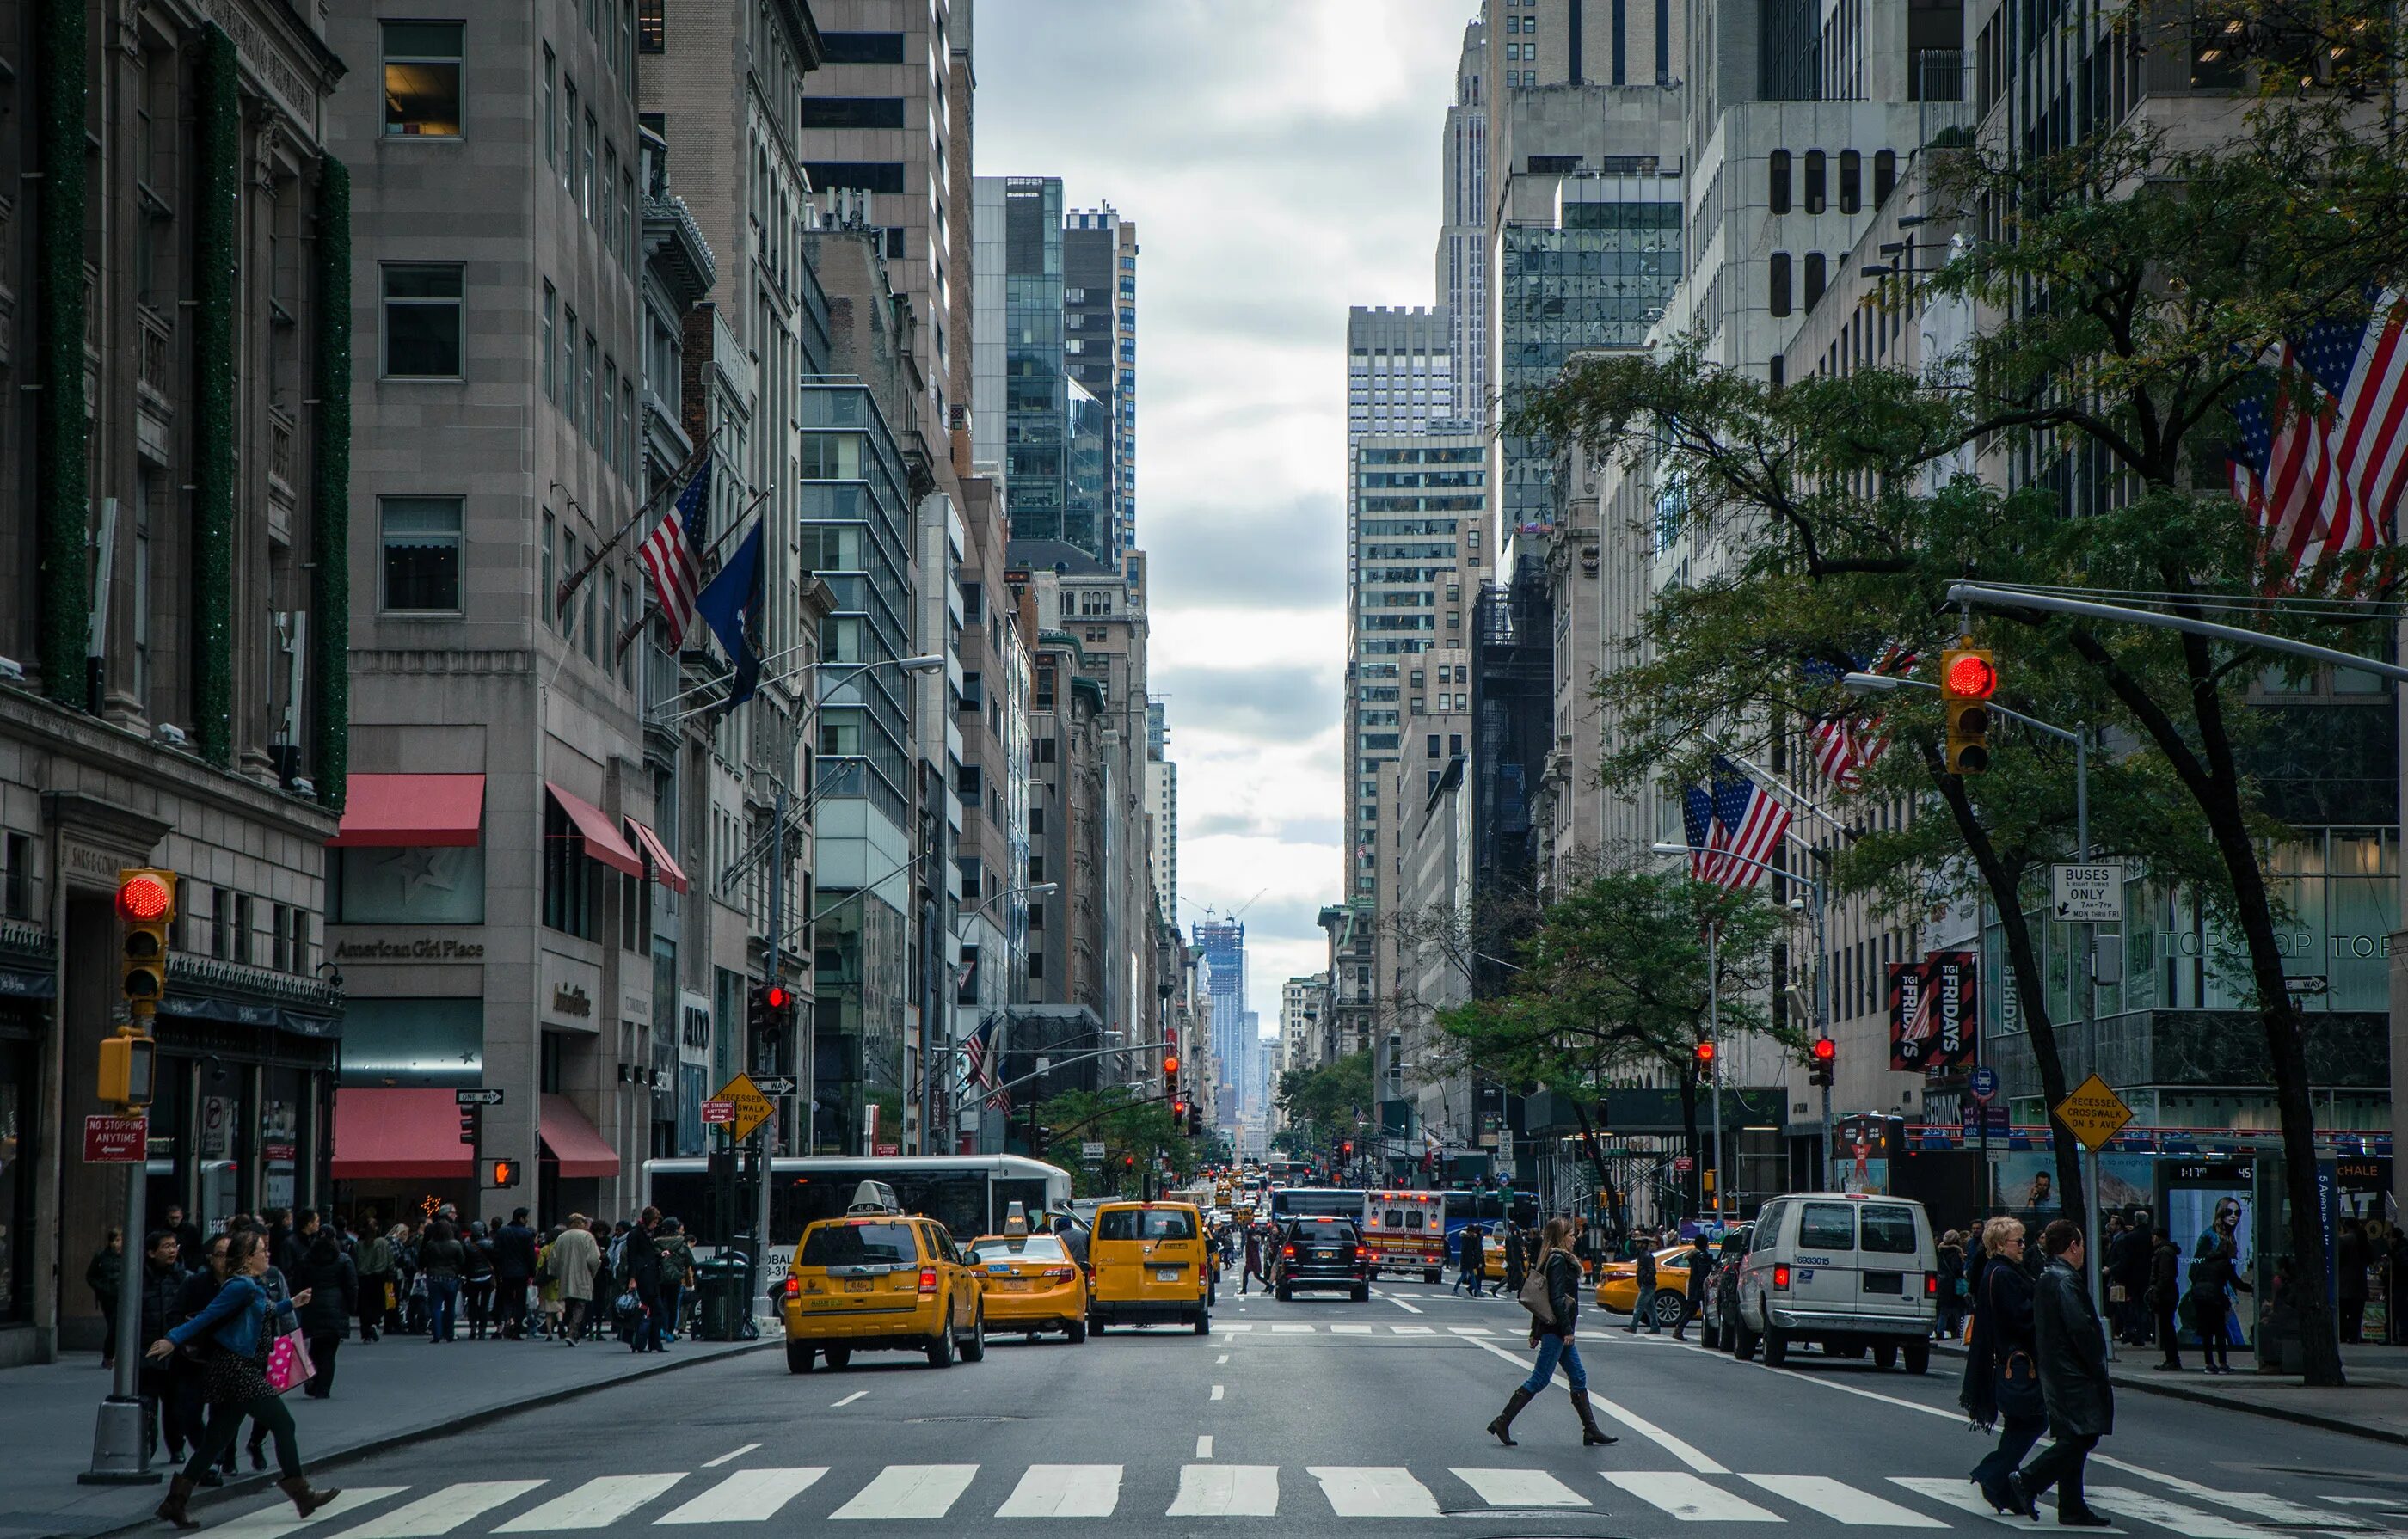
2009,598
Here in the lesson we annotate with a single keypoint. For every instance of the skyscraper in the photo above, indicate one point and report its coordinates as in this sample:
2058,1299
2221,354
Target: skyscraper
1463,233
1099,304
1223,945
1034,439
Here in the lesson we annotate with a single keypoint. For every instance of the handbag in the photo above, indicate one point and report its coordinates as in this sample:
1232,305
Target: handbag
2019,1393
288,1362
2118,1294
1534,1298
629,1303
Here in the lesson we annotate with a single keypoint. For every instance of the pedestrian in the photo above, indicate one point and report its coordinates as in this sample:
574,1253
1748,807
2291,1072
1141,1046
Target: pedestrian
104,1275
1701,1268
296,1244
677,1275
2349,1277
1954,1293
330,1280
2215,1273
1552,1333
477,1278
598,1320
375,1264
1517,1262
2132,1273
515,1258
2073,1382
1254,1260
641,1267
184,1376
2002,1385
574,1263
187,1235
234,1336
1475,1259
440,1258
407,1246
279,1289
163,1283
1642,1306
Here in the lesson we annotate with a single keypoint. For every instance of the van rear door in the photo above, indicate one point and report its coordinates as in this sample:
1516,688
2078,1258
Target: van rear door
1893,1259
1822,1274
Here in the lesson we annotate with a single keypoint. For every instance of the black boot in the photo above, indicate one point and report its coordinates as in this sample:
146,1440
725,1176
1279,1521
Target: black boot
1590,1436
306,1500
179,1491
1503,1425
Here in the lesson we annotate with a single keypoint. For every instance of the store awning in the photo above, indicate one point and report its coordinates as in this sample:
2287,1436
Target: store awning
382,1133
572,1141
401,811
664,870
602,841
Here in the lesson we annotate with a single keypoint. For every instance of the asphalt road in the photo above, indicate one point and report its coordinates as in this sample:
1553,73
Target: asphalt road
1311,1418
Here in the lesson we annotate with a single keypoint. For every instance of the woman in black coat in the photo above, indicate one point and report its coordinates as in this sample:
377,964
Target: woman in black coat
1553,1336
2002,1385
333,1284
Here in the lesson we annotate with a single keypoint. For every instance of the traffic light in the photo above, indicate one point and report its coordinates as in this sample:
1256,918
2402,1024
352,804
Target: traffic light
1171,1063
1195,1122
1705,1056
1821,1058
1968,678
1347,1149
125,1070
472,1124
501,1172
146,902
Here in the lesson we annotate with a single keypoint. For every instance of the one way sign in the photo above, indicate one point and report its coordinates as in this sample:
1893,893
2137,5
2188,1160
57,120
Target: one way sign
773,1084
2087,894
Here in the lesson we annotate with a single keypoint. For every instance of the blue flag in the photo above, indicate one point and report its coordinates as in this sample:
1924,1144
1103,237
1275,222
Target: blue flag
731,605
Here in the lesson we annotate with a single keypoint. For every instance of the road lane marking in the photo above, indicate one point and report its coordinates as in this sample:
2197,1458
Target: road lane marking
848,1400
1065,1490
1216,1392
1688,1498
714,1463
1469,1331
1373,1490
1350,1330
267,1522
1955,1492
2272,1508
1842,1502
1204,1445
747,1496
442,1511
1243,1325
1414,1330
1292,1329
1408,1308
1227,1490
1520,1488
2191,1522
910,1490
1632,1419
598,1503
1222,1358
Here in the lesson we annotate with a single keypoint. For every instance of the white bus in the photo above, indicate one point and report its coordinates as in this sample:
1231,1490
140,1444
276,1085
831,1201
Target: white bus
967,1193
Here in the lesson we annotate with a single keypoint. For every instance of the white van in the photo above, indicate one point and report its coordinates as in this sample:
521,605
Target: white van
1845,1271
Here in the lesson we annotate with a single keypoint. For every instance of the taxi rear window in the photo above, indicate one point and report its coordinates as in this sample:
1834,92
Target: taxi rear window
1020,1248
1146,1224
860,1245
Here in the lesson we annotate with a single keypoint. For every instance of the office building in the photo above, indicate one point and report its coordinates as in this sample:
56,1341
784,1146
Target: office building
1463,227
1223,943
1099,254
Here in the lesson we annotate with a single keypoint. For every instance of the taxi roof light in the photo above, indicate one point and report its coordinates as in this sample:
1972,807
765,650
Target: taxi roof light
874,1197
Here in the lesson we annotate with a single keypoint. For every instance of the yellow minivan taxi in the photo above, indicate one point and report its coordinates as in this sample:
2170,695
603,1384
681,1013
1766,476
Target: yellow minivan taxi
1031,1283
1150,1265
881,1282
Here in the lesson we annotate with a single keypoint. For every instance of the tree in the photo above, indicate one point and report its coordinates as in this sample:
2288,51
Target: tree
2128,288
1128,1127
1325,1103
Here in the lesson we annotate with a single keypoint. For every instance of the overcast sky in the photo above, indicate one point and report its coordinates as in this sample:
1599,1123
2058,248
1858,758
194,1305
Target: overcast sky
1281,161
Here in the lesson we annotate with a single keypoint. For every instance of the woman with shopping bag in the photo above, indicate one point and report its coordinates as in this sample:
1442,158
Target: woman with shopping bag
1551,1295
247,1366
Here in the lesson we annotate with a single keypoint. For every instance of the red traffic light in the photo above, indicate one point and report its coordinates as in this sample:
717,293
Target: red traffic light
1824,1050
1347,1148
1130,1161
1970,676
1705,1052
1171,1063
776,997
145,898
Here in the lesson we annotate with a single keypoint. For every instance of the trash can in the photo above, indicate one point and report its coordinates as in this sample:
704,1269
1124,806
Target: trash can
723,1304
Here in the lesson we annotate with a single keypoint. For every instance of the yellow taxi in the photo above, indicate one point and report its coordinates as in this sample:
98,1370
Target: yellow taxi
881,1280
1150,1264
1031,1283
1617,1284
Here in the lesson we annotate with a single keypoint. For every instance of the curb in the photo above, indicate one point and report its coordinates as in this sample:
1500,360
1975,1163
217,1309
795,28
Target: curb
2169,1390
251,1483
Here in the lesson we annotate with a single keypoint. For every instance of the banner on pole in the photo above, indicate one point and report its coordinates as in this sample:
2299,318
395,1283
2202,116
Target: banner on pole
1932,1012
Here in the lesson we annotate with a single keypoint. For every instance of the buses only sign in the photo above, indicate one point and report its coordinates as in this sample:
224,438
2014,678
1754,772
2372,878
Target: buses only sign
2086,894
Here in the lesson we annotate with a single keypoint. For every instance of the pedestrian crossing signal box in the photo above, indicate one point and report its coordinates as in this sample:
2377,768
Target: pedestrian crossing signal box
501,1172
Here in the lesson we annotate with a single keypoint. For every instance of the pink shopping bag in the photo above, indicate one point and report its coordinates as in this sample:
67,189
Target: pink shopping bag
288,1362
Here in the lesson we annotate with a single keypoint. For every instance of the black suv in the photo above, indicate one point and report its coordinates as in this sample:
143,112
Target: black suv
1322,1253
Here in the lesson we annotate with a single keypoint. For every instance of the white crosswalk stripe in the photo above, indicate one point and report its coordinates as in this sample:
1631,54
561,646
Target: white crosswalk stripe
278,1518
598,1503
2273,1508
1955,1492
1469,1331
1688,1498
1520,1488
1292,1329
1842,1502
1065,1490
747,1496
1373,1490
1350,1330
443,1511
2148,1508
910,1490
1227,1490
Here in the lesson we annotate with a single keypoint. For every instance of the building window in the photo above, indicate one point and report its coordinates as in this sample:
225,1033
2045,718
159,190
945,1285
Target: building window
551,379
570,396
544,599
421,552
1815,277
1780,285
852,112
652,28
585,150
421,78
1852,182
1884,175
867,176
1777,194
1814,181
570,891
551,108
862,47
423,321
568,132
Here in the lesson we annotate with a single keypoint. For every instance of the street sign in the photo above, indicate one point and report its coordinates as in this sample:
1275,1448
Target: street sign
2317,984
752,1108
773,1084
1984,1083
116,1140
2094,1113
1091,1148
719,1111
477,1098
1682,1164
2087,894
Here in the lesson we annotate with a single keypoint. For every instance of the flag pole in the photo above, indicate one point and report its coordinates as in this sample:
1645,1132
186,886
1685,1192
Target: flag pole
678,479
626,637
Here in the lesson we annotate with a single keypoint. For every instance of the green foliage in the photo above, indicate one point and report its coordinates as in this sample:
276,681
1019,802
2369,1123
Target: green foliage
1324,1104
1128,1127
62,474
330,576
217,253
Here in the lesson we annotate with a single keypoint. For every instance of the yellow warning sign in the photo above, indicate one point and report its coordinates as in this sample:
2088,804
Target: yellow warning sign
752,1108
2094,1113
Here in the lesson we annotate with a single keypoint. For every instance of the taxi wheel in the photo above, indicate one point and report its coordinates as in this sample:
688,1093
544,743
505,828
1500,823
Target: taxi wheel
1203,1323
940,1350
974,1350
1076,1333
1283,1294
798,1357
1431,1276
839,1358
1363,1294
1669,1307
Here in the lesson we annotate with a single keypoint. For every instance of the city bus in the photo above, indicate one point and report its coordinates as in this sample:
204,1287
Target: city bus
1484,1208
968,1193
1285,1170
1317,1202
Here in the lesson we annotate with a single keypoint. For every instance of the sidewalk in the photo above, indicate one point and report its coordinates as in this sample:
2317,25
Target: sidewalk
2373,1404
387,1393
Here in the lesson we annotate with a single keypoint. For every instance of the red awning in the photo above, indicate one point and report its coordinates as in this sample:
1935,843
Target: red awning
399,811
382,1133
571,1140
602,841
665,871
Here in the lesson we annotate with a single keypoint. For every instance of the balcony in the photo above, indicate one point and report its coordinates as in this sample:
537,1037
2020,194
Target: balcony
1935,74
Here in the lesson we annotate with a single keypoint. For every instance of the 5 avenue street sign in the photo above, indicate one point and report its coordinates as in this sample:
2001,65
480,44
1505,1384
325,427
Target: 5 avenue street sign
772,1084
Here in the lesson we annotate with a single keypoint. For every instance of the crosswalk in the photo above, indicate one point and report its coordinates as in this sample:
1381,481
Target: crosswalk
956,1492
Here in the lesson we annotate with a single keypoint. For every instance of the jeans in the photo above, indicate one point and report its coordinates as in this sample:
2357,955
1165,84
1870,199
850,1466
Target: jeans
2061,1467
672,1302
2017,1435
442,1306
478,1294
225,1421
1554,1350
1644,1309
646,1336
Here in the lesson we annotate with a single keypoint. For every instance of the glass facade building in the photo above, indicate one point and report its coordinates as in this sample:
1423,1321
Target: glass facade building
1036,385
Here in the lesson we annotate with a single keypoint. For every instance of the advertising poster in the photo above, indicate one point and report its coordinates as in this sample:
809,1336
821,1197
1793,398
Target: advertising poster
1932,1010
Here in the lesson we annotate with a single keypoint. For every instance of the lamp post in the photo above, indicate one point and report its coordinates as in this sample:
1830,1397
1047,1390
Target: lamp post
927,1060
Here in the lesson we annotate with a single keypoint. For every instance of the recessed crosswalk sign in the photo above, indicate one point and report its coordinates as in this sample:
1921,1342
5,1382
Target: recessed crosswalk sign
2094,1113
752,1108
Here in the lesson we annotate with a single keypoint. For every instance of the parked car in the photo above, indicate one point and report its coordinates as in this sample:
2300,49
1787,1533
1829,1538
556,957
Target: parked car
1720,1308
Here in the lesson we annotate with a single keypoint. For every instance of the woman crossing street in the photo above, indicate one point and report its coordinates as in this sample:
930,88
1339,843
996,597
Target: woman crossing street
1552,1333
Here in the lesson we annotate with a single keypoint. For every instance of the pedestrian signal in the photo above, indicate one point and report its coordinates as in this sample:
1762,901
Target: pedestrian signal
501,1172
1968,678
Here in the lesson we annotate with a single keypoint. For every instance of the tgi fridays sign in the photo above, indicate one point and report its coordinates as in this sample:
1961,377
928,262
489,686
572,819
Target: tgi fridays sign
1932,1011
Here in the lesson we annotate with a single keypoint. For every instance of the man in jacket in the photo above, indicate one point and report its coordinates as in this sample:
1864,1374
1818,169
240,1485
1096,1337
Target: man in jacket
514,1248
574,1261
2074,1383
2165,1294
639,1263
1644,1308
1701,1267
375,1266
163,1281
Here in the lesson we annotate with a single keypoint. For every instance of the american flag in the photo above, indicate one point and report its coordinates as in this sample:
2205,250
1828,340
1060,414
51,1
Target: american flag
977,1063
1698,823
2322,461
1847,745
668,555
1750,824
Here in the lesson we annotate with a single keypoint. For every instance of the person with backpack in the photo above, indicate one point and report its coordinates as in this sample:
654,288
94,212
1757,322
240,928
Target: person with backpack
1555,1285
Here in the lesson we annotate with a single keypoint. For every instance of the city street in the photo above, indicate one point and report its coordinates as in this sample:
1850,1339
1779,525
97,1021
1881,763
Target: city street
1305,1419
